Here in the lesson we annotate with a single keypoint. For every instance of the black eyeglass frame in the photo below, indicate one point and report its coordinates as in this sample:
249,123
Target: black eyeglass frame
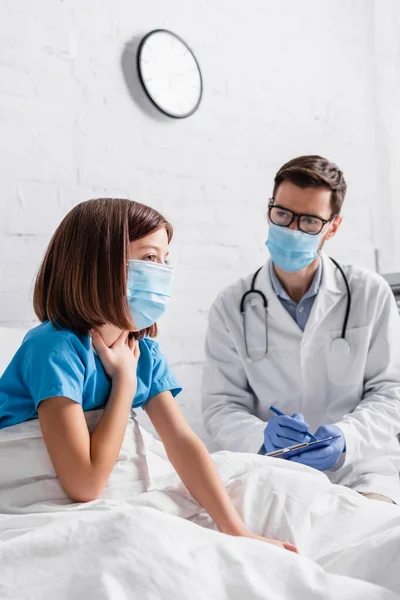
297,216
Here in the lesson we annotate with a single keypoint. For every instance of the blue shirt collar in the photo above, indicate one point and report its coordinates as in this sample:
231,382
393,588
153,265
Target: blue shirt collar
281,292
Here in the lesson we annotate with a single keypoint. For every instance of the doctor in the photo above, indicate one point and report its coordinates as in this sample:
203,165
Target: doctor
319,341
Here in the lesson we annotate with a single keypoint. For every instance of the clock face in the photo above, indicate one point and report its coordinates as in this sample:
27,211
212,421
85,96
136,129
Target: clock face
169,73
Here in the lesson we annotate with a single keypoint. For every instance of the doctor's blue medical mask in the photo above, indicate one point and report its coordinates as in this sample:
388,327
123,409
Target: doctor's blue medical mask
291,249
149,287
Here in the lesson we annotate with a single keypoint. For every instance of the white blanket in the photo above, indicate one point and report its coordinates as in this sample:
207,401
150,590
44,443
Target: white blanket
130,543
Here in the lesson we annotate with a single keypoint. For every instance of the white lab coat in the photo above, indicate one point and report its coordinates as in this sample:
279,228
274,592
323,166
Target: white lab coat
360,392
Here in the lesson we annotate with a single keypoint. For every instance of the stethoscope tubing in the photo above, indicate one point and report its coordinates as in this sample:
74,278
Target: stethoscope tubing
253,290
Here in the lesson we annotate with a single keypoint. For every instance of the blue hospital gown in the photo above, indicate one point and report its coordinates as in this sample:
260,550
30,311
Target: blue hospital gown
52,362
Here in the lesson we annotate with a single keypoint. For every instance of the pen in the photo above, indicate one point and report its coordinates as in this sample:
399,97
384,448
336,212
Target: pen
281,414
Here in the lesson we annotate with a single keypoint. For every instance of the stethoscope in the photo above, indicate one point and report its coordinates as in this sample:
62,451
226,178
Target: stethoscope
339,347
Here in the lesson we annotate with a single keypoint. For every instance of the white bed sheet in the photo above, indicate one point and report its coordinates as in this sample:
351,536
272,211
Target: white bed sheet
142,538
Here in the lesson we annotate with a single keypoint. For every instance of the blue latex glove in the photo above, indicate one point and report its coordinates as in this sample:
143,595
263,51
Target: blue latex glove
324,458
285,431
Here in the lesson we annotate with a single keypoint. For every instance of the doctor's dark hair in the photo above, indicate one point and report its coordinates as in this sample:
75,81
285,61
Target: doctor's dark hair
314,171
81,282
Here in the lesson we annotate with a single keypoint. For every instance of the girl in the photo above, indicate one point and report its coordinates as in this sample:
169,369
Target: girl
102,285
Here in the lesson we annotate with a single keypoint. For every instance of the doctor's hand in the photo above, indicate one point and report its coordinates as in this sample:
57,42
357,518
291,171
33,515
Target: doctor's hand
324,458
285,431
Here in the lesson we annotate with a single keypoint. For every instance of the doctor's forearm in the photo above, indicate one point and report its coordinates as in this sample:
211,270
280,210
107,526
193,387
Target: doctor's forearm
197,471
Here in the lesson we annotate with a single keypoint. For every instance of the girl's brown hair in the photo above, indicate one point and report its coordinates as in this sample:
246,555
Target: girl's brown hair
81,282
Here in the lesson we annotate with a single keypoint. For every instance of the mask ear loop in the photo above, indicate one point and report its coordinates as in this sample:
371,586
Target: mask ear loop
323,239
332,220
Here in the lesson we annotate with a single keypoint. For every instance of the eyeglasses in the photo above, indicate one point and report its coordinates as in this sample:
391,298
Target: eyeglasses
283,217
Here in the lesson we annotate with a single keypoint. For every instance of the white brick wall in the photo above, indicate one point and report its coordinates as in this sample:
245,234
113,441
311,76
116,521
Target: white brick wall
281,79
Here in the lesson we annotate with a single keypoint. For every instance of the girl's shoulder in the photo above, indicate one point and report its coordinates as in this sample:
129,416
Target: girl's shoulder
48,339
153,367
149,346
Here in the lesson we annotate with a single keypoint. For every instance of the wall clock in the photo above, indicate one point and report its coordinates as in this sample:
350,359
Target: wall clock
169,73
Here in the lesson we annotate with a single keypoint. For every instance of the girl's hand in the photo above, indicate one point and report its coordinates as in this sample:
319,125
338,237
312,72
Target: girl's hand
285,545
254,536
119,360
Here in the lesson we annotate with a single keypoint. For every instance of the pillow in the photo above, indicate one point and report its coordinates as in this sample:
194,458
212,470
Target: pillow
28,476
10,341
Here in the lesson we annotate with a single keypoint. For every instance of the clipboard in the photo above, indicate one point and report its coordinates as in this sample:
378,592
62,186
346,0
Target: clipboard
300,448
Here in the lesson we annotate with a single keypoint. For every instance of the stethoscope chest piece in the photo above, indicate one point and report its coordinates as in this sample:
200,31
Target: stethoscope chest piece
340,347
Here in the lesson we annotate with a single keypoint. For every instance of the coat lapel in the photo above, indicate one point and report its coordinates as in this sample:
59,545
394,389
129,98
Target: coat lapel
330,293
276,311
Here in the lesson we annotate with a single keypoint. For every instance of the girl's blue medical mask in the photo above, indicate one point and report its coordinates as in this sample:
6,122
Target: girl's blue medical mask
292,249
149,287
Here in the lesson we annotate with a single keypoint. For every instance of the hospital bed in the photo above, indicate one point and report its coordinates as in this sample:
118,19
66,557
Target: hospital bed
146,537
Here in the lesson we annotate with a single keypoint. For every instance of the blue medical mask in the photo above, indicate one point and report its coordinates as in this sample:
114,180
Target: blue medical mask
149,287
292,249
